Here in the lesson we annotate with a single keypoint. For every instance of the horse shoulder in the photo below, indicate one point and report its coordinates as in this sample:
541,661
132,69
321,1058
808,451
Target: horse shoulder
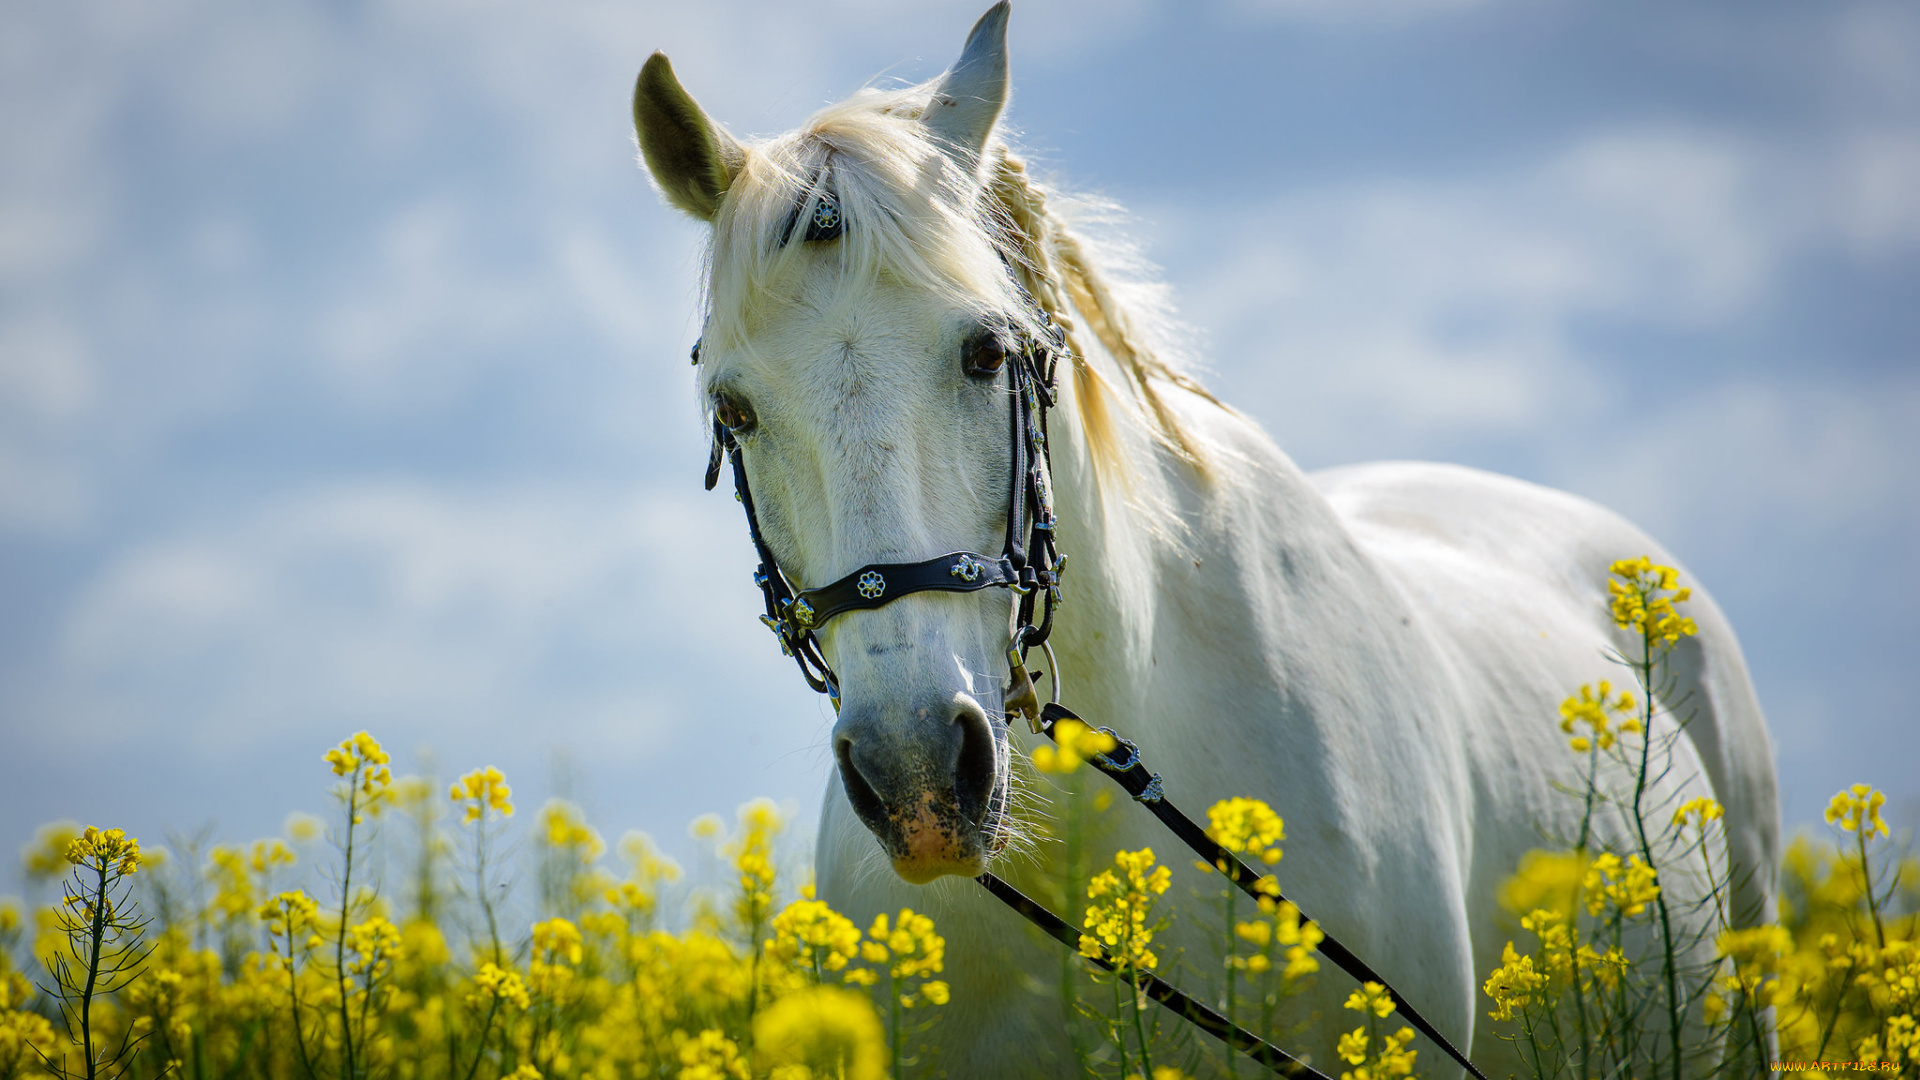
1512,578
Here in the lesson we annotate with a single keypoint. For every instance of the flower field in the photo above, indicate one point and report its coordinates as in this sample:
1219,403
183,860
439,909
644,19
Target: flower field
388,941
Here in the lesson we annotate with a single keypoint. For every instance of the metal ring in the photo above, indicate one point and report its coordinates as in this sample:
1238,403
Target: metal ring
1053,672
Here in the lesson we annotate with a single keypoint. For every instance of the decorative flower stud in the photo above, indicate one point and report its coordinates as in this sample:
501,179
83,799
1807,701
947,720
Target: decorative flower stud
968,568
871,585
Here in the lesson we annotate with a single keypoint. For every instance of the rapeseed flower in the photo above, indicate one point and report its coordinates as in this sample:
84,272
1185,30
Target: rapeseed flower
1372,997
301,827
1073,743
373,945
911,949
1515,983
289,913
1592,706
811,935
1122,899
1246,826
1393,1058
1628,886
493,983
751,852
558,941
1643,597
111,852
46,856
709,1055
1545,879
1700,811
824,1030
482,790
361,755
566,830
1858,808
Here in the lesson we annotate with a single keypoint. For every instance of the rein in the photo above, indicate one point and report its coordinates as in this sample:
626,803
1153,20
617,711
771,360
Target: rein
1029,567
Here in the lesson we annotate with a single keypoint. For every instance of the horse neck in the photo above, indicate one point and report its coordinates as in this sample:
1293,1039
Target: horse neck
1247,516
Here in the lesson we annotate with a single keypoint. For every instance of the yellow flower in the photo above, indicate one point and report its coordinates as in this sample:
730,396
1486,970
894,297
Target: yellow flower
1545,879
47,856
1629,887
833,1032
1073,743
482,790
910,947
288,913
362,756
1643,599
374,945
1858,806
811,934
301,828
493,982
1353,1046
565,829
1371,996
112,851
1514,982
751,852
1592,706
1247,825
1122,900
557,941
709,1055
1701,811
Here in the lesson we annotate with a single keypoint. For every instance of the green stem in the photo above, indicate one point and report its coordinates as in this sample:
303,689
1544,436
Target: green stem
1233,1058
1866,884
893,1025
293,996
1119,1021
340,935
486,1029
1140,1025
93,963
1069,961
1667,960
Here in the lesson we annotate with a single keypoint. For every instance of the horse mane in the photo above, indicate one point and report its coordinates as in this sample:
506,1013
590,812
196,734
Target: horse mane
914,217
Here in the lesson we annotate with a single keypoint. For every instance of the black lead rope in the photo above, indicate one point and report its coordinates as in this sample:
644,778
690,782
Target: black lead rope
1156,988
1126,768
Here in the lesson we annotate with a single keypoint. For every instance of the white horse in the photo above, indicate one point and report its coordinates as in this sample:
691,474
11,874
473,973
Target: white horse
1376,651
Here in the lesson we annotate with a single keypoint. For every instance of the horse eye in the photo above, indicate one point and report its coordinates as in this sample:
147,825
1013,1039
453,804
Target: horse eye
983,354
736,414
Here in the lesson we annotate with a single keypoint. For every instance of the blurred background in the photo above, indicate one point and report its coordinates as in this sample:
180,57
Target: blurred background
343,375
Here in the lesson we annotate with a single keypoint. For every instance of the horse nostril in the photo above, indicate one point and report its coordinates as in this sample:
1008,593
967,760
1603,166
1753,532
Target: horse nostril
973,771
866,803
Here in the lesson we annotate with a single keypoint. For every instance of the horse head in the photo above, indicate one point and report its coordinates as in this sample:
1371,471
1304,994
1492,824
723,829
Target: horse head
862,307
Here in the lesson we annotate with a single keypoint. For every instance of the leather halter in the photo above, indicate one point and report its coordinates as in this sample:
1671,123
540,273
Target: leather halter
1029,564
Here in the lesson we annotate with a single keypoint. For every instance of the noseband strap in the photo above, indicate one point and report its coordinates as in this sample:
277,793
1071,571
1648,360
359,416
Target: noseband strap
1029,564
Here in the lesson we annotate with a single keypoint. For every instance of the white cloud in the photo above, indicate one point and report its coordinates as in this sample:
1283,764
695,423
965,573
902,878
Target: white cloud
442,610
1390,13
1379,318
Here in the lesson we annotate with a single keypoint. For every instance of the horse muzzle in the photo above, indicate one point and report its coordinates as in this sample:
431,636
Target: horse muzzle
928,779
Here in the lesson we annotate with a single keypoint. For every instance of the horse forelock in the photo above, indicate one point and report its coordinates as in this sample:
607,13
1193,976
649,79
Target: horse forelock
913,217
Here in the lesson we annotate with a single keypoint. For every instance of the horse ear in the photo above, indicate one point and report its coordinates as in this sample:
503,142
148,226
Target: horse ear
968,102
693,160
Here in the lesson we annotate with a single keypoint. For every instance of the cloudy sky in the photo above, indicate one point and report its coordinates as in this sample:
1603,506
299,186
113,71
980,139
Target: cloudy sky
343,379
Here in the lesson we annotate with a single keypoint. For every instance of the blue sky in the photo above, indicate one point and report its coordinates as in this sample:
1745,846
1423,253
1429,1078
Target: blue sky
343,380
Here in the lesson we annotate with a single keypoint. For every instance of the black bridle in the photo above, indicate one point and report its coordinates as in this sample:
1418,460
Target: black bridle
1029,564
1030,569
